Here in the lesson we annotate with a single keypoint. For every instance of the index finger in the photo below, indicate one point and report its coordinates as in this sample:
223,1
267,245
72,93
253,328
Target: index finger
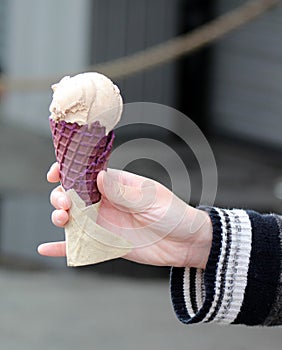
53,174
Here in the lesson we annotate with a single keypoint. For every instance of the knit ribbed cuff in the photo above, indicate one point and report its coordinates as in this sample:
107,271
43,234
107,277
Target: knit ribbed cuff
216,294
264,271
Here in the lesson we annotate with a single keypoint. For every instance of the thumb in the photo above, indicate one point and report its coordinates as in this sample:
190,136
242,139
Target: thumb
127,190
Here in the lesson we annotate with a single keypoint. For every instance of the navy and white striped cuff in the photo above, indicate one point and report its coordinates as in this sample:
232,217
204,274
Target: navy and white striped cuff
226,292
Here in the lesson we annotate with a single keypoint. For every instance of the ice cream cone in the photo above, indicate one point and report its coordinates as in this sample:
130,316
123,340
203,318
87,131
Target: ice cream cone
84,111
82,151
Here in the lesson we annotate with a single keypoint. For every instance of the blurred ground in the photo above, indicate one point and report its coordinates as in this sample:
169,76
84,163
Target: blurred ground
51,310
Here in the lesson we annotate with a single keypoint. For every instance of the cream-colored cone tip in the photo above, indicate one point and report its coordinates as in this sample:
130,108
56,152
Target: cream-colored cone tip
87,242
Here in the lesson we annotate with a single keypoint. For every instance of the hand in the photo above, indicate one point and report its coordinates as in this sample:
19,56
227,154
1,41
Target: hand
164,230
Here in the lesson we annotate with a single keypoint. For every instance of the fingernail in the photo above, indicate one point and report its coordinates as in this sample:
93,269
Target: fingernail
49,170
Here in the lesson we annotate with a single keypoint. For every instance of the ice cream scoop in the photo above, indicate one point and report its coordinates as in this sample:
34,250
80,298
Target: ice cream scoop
86,98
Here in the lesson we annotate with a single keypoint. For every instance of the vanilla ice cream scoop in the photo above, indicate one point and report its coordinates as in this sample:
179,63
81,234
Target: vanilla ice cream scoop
86,98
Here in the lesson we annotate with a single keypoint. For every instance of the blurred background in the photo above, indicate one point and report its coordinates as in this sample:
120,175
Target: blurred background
231,89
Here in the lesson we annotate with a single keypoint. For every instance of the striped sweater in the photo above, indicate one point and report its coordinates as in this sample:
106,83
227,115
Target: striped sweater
242,282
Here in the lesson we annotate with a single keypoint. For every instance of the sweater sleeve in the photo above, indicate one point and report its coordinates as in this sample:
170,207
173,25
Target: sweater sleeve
242,282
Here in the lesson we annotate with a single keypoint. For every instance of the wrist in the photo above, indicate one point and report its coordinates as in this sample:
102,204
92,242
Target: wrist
196,238
201,246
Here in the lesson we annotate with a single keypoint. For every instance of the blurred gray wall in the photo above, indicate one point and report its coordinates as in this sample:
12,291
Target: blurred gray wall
247,79
3,26
42,39
122,27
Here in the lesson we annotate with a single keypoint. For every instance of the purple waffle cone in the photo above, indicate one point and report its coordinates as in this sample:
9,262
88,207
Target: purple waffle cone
82,151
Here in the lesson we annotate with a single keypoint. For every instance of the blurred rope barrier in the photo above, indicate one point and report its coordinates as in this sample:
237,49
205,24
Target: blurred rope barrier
163,53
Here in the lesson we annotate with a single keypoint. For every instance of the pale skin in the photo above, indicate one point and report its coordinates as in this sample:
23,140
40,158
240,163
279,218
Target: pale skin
164,230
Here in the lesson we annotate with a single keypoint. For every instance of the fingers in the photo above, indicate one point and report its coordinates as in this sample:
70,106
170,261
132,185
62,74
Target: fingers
54,249
60,217
62,203
59,199
53,175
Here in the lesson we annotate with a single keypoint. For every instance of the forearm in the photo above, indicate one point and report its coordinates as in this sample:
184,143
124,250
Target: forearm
242,280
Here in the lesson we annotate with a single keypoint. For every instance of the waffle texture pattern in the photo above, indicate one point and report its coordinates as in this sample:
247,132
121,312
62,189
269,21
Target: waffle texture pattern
82,151
242,282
